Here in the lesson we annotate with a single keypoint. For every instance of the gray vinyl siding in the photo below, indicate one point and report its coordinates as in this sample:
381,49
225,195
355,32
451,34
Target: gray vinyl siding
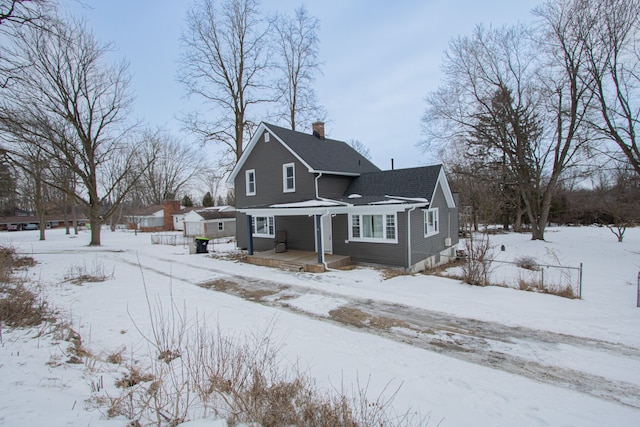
333,186
242,231
393,254
299,229
423,247
267,159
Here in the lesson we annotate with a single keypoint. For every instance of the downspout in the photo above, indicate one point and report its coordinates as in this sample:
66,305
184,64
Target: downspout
409,237
319,230
317,178
324,262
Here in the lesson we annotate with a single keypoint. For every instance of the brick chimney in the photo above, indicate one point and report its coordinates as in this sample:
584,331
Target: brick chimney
170,207
318,129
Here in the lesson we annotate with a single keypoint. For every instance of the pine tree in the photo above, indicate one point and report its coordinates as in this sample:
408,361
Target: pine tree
207,200
186,201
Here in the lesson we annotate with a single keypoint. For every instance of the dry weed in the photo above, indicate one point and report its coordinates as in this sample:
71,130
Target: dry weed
23,307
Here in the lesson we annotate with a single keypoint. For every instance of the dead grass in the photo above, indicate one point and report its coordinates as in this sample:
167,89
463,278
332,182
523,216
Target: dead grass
10,261
243,379
95,273
361,319
132,377
227,286
390,273
23,307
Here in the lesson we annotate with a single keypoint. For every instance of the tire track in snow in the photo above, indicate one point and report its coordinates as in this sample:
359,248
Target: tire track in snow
471,340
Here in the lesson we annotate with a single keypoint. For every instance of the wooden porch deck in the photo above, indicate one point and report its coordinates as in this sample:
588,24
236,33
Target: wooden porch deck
297,260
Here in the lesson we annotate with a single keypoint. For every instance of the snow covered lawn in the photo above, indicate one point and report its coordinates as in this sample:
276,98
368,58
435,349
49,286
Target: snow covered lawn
597,338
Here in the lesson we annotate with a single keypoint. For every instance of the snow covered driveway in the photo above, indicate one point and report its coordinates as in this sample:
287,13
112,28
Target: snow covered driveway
555,358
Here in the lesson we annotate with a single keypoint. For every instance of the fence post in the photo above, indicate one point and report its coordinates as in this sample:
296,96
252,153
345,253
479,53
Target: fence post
638,295
580,284
542,271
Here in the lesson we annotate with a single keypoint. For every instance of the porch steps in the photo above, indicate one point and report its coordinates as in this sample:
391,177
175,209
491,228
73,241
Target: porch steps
291,266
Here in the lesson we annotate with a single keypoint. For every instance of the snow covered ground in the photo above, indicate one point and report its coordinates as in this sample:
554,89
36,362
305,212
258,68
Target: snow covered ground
493,356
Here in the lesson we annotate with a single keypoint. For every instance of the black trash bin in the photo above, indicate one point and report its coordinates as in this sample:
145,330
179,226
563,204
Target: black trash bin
201,245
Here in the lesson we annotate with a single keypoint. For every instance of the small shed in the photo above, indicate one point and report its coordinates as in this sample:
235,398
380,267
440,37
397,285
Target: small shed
213,222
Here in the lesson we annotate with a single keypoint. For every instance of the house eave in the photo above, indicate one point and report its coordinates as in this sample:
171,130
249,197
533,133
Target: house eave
330,210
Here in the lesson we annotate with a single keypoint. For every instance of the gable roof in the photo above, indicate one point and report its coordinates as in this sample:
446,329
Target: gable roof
149,210
319,155
408,183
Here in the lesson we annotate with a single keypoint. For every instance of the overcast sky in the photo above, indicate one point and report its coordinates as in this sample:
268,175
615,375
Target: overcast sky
380,60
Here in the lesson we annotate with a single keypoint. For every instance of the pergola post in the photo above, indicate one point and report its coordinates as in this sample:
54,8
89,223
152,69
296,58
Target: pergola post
319,238
250,234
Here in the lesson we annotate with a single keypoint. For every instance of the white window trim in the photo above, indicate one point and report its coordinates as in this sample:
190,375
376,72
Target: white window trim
430,232
284,178
221,226
247,182
384,228
271,224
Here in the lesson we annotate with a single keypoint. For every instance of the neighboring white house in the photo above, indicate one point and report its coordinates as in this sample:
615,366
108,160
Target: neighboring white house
179,217
149,217
154,217
216,221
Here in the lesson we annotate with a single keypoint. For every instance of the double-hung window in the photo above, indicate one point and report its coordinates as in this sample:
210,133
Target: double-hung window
262,226
250,178
431,222
289,178
221,226
374,228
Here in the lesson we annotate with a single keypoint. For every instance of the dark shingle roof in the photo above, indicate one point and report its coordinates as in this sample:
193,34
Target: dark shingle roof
327,155
149,210
412,182
215,214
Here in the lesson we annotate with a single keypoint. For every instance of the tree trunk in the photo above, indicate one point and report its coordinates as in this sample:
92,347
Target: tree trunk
95,219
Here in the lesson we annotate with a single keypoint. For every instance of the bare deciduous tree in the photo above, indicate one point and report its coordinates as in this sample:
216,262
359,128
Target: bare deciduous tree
71,104
524,99
360,148
296,46
171,166
223,63
608,31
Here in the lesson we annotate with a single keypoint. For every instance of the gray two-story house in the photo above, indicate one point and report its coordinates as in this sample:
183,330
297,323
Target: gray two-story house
321,195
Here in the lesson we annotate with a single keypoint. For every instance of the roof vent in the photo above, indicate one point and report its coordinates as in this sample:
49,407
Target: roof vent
318,129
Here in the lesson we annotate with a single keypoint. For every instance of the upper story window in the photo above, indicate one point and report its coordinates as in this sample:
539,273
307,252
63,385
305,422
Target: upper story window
289,178
431,222
250,181
373,228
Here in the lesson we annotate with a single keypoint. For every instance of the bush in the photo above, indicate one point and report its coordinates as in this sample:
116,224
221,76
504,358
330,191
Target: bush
528,263
477,263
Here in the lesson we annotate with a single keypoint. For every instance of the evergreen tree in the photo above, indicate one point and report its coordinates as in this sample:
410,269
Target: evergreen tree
207,200
186,201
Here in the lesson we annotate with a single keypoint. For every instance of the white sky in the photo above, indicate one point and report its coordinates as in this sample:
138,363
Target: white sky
381,58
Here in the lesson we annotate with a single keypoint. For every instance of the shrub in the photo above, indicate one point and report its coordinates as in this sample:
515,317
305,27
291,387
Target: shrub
528,263
477,263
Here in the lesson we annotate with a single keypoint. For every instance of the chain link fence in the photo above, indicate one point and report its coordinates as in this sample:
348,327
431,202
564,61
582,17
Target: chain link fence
554,279
525,274
170,239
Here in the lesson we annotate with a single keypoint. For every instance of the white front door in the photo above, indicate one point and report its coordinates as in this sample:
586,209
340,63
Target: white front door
327,242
